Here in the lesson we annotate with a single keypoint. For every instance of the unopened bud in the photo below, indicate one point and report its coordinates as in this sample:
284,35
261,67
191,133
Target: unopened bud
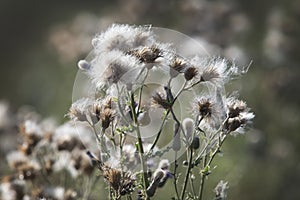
84,65
196,142
157,176
176,139
185,163
188,127
164,164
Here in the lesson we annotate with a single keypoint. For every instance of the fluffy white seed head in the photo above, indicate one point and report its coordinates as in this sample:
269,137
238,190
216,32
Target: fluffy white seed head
123,38
108,68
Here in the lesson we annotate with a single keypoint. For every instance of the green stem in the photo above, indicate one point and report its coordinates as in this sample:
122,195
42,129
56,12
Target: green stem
140,143
120,107
160,131
217,150
202,180
141,89
101,143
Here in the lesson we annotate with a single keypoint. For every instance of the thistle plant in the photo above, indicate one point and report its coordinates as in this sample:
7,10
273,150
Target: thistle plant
142,104
149,102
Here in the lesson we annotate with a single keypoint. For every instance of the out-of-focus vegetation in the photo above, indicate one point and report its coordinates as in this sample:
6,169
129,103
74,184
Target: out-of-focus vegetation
41,43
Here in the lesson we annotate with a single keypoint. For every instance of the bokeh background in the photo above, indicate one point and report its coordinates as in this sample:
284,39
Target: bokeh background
41,42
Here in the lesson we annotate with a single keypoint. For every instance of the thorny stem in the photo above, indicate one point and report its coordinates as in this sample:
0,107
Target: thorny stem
140,143
187,174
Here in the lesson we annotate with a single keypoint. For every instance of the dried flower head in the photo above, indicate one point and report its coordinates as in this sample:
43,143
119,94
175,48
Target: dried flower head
178,64
238,115
146,54
160,100
80,109
122,182
235,107
239,122
214,71
190,73
102,111
209,110
106,118
205,107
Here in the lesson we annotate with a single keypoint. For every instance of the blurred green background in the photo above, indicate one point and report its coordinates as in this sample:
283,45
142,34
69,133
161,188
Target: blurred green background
41,42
